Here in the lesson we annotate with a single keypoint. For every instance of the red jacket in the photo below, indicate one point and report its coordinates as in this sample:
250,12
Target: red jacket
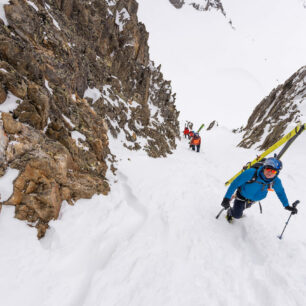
190,134
186,131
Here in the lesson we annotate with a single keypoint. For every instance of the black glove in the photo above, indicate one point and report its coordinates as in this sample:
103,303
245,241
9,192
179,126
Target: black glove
225,203
292,209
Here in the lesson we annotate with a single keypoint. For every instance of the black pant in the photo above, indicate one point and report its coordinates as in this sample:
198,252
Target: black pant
193,147
239,206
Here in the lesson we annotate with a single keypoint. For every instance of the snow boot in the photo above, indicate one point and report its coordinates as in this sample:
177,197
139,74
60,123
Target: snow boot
228,216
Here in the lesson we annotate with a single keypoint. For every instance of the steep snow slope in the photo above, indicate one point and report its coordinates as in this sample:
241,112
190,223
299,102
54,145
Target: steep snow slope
219,72
155,239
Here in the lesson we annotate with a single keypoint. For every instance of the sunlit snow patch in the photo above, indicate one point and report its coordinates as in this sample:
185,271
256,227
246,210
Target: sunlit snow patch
48,87
2,13
121,18
53,20
93,93
33,5
76,136
9,104
6,183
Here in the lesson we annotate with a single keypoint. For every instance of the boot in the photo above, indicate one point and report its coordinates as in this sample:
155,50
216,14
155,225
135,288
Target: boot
228,216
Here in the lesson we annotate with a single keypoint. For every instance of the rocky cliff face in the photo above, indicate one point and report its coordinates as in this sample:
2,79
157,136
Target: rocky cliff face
285,104
200,5
177,3
73,72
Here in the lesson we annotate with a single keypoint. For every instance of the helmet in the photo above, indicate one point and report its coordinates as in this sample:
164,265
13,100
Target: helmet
274,163
196,134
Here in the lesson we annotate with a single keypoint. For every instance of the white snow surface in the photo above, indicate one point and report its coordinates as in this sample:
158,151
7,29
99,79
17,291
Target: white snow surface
155,240
70,123
6,183
2,13
9,104
77,136
93,93
33,5
55,23
219,72
121,18
48,87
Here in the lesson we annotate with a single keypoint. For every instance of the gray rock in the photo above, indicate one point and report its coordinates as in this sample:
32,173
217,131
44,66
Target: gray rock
275,112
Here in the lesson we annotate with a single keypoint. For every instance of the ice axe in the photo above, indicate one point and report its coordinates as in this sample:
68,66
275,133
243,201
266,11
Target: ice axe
220,212
223,209
293,205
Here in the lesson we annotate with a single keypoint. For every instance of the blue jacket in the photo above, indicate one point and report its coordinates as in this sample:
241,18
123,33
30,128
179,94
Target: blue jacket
257,190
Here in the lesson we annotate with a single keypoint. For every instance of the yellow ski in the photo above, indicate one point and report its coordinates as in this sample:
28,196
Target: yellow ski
283,140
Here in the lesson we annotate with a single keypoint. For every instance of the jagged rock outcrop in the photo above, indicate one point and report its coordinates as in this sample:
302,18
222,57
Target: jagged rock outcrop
200,5
70,71
212,125
177,3
272,115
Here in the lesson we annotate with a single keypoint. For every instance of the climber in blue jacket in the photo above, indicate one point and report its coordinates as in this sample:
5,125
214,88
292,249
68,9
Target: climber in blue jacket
253,185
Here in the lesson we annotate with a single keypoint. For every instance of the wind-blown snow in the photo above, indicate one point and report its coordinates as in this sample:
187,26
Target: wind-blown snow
155,240
218,72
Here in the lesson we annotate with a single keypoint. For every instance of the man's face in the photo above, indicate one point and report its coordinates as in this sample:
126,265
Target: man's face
269,173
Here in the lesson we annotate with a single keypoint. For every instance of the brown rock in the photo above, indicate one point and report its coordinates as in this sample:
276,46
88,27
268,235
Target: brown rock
2,94
31,187
17,87
49,70
10,125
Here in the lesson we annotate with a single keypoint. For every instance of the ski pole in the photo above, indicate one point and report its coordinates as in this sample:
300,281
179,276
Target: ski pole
293,205
220,212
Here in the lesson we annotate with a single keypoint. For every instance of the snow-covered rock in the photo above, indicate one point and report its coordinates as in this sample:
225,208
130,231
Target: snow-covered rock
276,113
200,5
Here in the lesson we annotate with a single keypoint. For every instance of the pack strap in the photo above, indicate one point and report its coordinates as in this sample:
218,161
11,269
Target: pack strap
254,180
242,198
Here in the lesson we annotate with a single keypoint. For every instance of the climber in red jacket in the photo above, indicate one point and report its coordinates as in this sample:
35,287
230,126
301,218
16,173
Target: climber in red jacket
186,132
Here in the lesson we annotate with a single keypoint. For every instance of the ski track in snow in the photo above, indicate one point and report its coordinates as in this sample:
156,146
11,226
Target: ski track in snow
155,240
